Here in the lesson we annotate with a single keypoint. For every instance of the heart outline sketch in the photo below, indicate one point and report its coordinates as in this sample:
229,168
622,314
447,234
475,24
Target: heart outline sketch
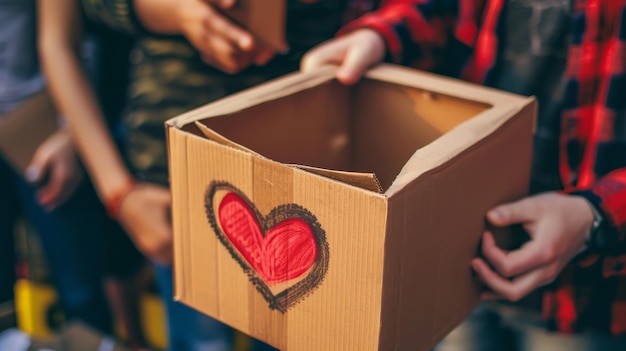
238,208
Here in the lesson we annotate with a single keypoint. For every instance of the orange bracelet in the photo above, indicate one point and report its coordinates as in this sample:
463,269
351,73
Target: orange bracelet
114,203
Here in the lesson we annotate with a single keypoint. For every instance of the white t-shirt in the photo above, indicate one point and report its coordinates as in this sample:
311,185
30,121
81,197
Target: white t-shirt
20,74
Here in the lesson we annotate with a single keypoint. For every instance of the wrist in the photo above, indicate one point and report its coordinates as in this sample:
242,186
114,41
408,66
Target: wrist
114,199
594,239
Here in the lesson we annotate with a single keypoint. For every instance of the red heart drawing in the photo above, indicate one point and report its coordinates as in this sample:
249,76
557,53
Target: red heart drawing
287,244
286,251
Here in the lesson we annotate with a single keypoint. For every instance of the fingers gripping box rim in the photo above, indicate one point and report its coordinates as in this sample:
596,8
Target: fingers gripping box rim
313,215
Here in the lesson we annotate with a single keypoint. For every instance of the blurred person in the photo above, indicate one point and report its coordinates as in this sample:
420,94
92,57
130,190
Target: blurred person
86,251
187,54
52,193
107,70
105,80
571,56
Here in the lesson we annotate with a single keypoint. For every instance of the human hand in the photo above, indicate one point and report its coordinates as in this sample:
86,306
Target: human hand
354,52
221,43
145,214
558,226
55,166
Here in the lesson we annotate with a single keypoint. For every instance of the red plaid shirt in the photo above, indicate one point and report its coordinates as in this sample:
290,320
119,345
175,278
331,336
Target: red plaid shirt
592,292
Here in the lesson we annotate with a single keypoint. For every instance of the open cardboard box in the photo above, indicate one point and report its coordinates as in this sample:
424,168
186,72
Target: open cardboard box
316,216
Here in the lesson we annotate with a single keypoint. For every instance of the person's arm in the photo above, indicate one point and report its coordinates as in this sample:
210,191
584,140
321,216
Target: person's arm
221,42
560,227
405,31
142,210
608,197
59,42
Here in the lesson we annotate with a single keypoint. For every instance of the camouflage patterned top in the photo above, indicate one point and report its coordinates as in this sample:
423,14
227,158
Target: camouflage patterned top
168,77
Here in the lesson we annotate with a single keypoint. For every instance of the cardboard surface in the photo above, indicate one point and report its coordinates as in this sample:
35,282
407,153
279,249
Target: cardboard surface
23,130
316,216
266,19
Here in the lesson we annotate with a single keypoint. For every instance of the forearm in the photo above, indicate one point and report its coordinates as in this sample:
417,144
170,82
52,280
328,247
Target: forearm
410,34
76,101
158,16
59,40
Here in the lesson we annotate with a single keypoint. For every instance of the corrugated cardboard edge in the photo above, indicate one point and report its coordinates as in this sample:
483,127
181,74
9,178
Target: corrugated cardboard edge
176,142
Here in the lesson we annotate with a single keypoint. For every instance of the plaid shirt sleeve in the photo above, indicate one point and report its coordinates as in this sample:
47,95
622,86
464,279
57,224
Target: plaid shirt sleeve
593,161
117,14
413,29
608,194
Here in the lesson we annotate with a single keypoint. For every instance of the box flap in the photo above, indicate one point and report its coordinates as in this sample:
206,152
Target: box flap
366,181
216,137
501,106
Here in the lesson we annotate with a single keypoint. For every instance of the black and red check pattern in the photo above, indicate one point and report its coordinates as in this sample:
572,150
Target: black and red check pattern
464,34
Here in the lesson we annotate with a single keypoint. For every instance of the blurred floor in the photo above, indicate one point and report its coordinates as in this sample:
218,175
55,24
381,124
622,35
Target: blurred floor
7,315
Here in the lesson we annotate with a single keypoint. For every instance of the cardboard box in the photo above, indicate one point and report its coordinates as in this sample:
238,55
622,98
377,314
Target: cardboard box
266,19
23,130
316,216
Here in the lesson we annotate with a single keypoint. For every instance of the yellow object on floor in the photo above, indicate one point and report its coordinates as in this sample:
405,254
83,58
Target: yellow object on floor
153,321
39,315
35,306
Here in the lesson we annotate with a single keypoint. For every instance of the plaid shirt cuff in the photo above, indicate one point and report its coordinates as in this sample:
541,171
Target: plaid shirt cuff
410,34
372,21
612,254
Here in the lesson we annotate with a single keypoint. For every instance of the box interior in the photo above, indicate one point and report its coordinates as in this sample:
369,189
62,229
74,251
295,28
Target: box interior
372,127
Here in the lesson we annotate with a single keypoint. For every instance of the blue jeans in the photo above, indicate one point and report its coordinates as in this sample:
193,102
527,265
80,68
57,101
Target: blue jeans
71,237
190,330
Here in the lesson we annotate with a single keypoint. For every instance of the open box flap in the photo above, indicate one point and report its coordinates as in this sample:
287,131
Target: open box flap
216,137
504,105
366,181
451,144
